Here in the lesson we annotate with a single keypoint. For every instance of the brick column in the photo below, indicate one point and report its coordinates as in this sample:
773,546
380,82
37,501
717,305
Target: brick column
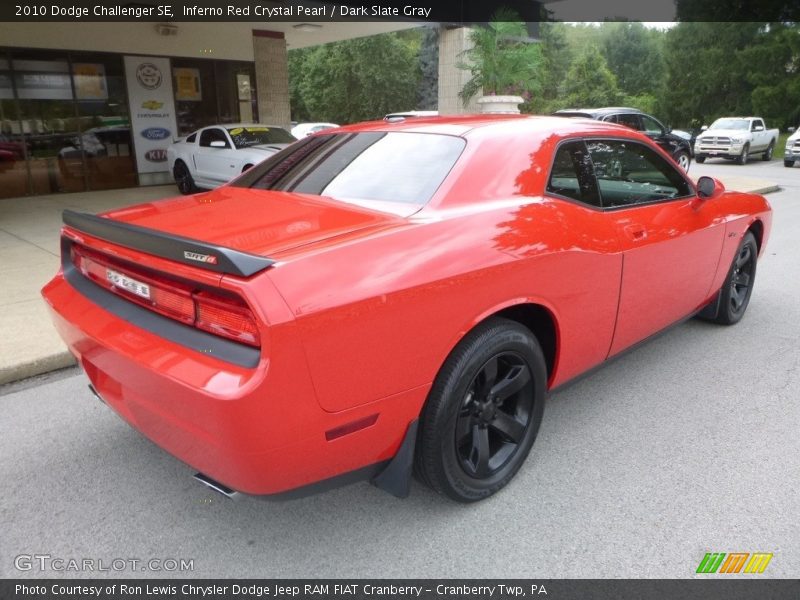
272,77
452,44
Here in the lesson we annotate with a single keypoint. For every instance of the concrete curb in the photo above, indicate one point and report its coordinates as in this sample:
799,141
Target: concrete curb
36,367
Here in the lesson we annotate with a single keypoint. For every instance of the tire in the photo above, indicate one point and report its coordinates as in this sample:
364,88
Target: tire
788,163
744,156
768,152
684,160
738,286
699,158
483,412
183,178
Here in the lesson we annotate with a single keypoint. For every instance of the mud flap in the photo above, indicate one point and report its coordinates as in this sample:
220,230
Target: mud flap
396,477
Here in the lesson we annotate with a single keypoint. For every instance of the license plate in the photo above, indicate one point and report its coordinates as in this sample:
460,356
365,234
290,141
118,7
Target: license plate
129,284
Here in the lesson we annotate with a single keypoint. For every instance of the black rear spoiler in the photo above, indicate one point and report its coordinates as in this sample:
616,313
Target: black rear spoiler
173,247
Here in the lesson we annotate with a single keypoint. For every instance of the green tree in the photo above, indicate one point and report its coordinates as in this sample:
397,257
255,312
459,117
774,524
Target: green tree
428,90
556,57
589,82
635,56
354,80
500,60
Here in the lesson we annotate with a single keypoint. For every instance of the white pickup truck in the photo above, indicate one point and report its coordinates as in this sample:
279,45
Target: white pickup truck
736,138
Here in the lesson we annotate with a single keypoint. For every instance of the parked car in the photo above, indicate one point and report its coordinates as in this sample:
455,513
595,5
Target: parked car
792,151
411,114
305,129
214,155
736,138
395,295
97,142
677,146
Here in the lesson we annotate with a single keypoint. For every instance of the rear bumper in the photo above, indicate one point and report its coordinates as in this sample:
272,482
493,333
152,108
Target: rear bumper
257,430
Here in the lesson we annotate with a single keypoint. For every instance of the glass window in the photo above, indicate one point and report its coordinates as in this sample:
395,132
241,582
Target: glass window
244,137
631,121
191,138
213,135
630,173
363,168
650,125
194,87
572,175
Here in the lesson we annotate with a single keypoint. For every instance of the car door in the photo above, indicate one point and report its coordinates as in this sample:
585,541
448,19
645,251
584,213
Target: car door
670,239
759,135
216,160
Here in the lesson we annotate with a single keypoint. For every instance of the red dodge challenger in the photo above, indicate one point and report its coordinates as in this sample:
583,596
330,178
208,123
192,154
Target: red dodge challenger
395,296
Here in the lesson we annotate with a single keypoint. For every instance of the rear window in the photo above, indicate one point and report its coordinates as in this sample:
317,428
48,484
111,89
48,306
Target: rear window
387,167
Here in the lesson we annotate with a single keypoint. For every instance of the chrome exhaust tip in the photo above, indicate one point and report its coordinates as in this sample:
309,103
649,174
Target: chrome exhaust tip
217,486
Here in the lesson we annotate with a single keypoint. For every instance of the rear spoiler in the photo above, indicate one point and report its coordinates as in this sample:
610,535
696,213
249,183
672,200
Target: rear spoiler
173,247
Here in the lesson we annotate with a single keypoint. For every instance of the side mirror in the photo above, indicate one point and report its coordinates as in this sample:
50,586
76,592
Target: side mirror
704,127
218,144
758,128
708,187
791,130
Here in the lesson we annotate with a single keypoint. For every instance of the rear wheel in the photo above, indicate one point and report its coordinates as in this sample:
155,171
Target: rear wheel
483,412
744,156
738,286
768,152
183,178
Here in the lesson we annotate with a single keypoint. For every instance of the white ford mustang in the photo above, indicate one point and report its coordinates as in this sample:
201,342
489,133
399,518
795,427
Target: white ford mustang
214,155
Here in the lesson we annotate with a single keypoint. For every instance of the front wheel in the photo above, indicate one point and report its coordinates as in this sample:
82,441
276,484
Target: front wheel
483,412
768,152
183,178
699,158
738,286
744,156
788,163
683,160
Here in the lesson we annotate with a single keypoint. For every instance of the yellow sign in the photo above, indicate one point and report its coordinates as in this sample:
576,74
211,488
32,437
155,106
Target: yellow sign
187,84
90,81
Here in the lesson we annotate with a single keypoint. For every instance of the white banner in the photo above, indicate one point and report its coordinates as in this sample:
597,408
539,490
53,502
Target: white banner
153,125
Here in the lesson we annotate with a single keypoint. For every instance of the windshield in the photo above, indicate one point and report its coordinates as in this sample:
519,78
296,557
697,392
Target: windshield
374,169
742,124
244,137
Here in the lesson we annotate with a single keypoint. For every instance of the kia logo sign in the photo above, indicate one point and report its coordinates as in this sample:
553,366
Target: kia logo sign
156,133
158,155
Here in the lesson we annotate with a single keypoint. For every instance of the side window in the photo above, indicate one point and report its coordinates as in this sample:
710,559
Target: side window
629,120
572,175
756,123
191,138
650,125
213,135
630,173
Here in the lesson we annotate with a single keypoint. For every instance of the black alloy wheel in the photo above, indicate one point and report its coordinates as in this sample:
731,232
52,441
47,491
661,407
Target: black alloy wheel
495,413
183,178
483,412
738,287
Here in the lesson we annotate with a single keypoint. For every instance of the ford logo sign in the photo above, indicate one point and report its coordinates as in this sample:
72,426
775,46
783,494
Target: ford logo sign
156,133
156,156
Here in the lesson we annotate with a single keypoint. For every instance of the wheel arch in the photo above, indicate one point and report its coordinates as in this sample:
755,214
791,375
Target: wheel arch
757,227
536,317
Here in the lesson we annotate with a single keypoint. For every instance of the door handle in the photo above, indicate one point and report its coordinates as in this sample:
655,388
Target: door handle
636,232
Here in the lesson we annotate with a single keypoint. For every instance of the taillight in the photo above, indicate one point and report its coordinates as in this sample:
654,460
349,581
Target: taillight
224,315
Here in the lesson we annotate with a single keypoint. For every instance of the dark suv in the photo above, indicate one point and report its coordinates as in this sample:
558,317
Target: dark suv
679,148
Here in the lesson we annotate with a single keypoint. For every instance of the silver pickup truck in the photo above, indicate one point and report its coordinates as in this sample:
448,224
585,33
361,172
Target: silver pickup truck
736,138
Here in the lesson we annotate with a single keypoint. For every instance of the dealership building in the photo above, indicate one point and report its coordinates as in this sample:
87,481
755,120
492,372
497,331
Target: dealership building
93,105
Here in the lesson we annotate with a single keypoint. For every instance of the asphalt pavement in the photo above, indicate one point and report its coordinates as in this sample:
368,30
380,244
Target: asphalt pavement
685,446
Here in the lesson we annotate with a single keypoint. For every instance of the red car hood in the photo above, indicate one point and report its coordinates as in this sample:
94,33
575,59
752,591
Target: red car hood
260,222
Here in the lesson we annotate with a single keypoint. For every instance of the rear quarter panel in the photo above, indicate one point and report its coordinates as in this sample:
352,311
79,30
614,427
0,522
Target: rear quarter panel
380,316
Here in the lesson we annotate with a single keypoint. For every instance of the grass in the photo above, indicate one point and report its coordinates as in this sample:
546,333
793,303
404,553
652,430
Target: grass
779,149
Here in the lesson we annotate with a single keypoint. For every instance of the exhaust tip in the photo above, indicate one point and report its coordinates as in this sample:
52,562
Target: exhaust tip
96,393
216,486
